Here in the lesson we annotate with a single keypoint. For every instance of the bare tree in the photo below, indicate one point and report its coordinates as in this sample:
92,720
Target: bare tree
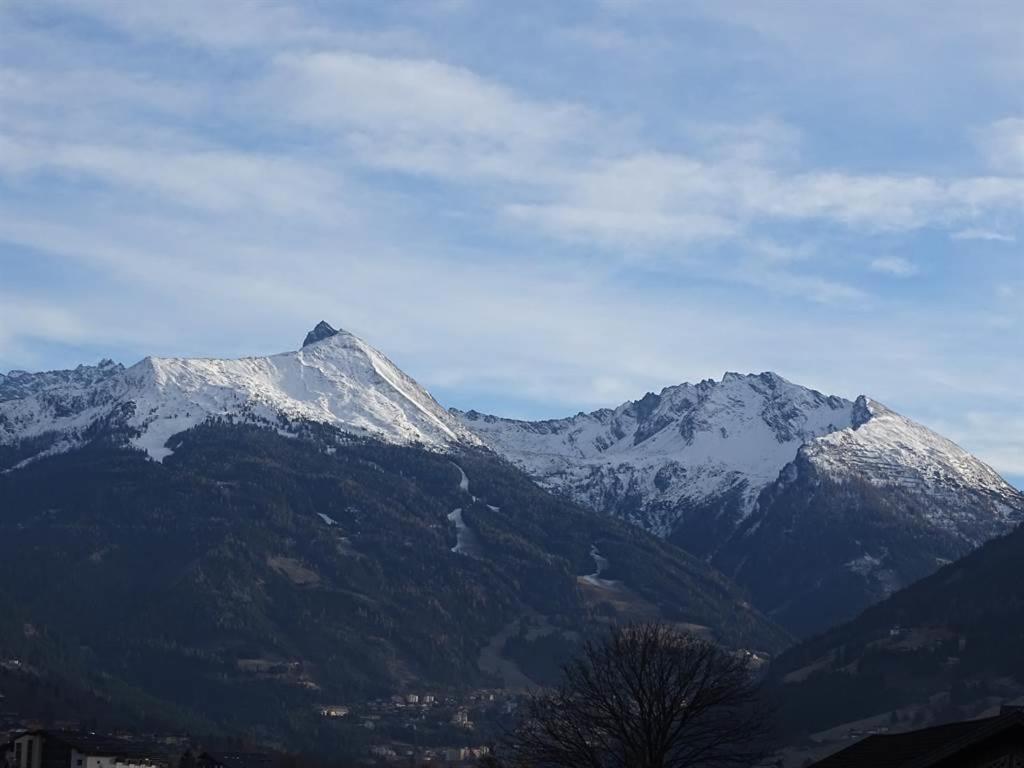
648,696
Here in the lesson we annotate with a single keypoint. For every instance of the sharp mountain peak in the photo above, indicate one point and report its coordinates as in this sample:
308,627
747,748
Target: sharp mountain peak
322,330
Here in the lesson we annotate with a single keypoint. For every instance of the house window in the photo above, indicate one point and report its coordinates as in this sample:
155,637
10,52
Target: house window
17,754
28,753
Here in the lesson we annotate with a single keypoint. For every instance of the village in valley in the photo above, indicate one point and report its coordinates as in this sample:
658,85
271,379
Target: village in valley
447,729
433,728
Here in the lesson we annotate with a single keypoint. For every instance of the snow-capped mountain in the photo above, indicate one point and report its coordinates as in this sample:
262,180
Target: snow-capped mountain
885,449
315,547
818,504
656,459
335,378
18,385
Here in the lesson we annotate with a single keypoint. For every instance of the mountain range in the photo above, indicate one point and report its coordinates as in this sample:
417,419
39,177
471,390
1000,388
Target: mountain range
335,379
317,513
232,545
819,505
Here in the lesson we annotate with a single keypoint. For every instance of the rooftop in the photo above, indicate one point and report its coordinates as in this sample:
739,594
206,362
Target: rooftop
942,745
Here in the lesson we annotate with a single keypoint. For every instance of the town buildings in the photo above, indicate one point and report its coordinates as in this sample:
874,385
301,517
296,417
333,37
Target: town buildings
69,749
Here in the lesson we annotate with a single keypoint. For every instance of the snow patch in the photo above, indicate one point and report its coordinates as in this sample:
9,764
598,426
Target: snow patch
713,443
682,447
455,517
463,479
961,494
339,380
600,566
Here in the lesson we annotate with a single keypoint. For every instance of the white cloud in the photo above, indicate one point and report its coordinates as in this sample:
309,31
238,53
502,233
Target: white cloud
226,24
769,266
1010,290
92,89
983,234
26,318
800,286
211,179
657,196
623,229
908,57
580,176
895,266
262,166
602,37
422,115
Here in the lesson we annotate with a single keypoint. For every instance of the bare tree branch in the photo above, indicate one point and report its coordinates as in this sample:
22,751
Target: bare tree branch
647,696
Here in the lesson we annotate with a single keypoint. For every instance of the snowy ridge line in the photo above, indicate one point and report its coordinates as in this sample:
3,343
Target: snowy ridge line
889,448
681,447
718,445
407,388
700,450
335,379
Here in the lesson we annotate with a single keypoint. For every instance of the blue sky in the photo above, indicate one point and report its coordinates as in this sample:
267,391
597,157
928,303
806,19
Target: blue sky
533,207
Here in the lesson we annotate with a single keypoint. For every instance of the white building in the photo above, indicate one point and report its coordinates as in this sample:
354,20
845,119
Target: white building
35,749
336,710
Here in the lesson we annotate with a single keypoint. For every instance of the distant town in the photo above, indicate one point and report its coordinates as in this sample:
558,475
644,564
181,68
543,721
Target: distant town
412,727
404,722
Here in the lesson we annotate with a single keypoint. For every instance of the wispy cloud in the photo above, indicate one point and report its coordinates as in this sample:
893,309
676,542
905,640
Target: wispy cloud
225,25
592,202
667,184
211,179
983,234
895,266
26,319
423,116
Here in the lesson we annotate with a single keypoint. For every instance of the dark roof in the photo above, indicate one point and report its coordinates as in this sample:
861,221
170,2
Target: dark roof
923,748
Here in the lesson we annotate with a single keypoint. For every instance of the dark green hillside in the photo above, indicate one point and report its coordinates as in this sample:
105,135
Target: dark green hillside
954,639
210,588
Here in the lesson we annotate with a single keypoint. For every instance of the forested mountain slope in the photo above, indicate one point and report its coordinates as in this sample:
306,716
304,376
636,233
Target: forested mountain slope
251,577
946,642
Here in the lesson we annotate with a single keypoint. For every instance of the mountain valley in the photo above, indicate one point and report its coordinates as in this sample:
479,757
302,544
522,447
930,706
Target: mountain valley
288,563
313,527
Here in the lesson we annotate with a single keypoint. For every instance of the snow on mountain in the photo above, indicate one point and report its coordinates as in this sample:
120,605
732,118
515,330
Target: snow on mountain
817,505
18,385
336,379
889,450
710,449
860,513
670,452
